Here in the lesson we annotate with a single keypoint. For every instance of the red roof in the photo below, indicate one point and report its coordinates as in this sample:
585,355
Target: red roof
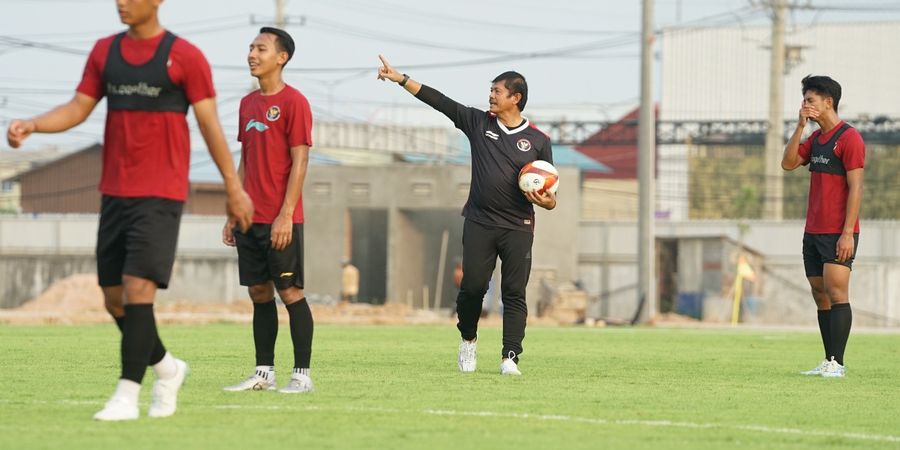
616,147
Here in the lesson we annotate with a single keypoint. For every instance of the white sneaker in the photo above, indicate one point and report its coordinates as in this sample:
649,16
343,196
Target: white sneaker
165,392
818,370
509,367
260,380
299,384
118,408
467,356
833,370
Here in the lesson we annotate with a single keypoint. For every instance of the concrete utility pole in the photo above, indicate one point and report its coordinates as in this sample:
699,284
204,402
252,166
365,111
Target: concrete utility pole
646,160
774,192
279,14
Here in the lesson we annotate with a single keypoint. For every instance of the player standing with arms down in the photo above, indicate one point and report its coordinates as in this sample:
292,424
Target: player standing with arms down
150,77
275,133
836,155
499,217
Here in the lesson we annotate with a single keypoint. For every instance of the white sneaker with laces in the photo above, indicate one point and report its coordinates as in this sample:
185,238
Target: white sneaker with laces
467,356
817,371
833,370
299,384
118,408
262,379
509,367
165,392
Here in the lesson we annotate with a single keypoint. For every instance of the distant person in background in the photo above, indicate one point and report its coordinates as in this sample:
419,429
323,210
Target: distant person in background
349,282
150,78
275,134
836,155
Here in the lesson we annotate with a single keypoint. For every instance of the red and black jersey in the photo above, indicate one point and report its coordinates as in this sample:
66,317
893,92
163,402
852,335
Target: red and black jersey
498,154
830,156
270,125
149,84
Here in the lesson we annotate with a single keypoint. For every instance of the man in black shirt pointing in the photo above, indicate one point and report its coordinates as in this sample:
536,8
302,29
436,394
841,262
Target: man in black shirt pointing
499,217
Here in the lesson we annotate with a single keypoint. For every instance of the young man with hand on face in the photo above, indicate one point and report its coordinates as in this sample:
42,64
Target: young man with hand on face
836,155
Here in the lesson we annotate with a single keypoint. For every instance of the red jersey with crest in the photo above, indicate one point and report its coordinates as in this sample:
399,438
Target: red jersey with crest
270,125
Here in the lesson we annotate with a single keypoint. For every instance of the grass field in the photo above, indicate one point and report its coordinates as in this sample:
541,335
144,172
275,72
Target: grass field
398,387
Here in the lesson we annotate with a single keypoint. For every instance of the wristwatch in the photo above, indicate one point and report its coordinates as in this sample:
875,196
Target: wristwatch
404,80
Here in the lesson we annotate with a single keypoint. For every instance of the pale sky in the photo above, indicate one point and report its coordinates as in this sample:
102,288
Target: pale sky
593,73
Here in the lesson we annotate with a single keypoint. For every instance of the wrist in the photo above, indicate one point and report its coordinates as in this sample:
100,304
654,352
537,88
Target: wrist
402,82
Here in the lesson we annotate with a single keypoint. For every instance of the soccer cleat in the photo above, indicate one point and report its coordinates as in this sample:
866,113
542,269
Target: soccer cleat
118,408
833,370
299,384
467,356
509,367
165,392
260,380
817,371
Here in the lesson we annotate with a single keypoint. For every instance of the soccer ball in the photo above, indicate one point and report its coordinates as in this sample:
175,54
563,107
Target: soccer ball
538,176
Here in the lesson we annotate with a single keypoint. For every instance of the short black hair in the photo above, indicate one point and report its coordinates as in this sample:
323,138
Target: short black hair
283,40
515,84
824,86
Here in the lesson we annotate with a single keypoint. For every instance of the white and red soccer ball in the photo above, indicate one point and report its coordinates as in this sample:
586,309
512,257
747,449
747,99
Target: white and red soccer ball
539,176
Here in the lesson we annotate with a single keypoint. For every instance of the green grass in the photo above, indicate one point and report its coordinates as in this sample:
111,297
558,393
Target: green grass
398,388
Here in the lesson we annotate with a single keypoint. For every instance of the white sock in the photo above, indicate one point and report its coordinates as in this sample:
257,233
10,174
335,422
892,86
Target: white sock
128,389
267,372
166,367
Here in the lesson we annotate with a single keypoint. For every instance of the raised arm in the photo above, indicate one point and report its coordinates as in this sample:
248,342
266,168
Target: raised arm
462,116
238,206
61,118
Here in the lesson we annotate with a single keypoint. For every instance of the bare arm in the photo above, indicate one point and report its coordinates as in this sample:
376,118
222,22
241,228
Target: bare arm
282,227
239,206
61,118
854,200
792,159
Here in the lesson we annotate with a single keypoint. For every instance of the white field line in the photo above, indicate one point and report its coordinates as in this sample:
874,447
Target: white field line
526,416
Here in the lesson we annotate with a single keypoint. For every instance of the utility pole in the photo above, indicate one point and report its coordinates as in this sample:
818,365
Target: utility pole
646,161
774,190
279,14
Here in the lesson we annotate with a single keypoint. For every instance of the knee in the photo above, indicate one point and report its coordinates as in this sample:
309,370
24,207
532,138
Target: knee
835,294
261,293
114,306
291,295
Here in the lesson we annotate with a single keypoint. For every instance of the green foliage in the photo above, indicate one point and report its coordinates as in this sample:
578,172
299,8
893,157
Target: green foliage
728,182
398,388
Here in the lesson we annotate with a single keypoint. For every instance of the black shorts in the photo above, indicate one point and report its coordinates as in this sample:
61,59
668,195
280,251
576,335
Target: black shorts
258,263
821,249
137,236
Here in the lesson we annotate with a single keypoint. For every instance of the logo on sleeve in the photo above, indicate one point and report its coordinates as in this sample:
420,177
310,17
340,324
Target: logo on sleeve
273,113
492,135
523,145
254,125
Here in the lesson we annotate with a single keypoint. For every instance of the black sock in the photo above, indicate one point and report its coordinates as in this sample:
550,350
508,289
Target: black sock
301,332
138,339
841,319
159,350
825,330
265,331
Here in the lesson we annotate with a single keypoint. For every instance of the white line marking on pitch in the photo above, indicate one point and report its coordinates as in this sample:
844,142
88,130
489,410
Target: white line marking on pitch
541,417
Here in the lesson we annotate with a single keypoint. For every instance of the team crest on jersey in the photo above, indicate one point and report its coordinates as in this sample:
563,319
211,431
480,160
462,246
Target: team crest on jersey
273,113
523,145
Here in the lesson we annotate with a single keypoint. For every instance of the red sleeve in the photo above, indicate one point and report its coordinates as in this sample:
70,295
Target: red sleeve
191,71
240,118
92,79
300,128
806,147
851,149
